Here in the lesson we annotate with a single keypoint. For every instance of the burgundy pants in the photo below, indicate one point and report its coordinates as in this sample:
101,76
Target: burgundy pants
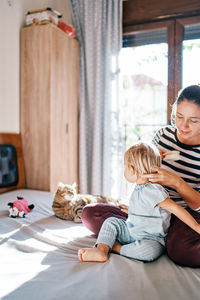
93,216
183,243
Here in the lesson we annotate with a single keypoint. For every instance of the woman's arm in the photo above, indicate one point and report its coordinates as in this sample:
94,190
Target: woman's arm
167,178
190,196
181,213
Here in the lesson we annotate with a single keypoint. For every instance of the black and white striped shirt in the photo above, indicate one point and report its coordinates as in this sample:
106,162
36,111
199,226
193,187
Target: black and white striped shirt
188,167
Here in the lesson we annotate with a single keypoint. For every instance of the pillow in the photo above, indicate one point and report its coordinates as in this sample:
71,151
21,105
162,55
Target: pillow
8,166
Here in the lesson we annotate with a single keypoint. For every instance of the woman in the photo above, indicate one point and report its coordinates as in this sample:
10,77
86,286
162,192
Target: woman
181,178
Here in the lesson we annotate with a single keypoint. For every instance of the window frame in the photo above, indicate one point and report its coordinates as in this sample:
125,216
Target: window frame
179,38
175,37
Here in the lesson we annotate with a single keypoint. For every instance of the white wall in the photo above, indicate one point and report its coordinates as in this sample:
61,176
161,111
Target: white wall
12,16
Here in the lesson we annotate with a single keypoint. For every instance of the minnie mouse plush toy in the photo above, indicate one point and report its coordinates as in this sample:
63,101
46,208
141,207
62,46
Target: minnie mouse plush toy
19,208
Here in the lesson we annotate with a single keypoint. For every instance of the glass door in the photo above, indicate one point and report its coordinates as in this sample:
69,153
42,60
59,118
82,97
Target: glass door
143,105
144,81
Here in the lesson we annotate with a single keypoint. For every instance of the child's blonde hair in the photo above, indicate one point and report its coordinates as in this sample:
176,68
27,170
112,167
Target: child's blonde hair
142,156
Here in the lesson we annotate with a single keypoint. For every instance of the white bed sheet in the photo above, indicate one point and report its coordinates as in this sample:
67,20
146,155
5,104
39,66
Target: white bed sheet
38,260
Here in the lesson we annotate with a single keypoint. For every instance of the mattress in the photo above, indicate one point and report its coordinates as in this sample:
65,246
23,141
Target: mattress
38,260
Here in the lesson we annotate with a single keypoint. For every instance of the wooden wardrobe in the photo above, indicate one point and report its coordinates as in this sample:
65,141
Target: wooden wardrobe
49,106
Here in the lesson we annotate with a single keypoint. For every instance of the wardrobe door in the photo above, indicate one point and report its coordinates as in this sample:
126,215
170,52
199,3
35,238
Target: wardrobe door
49,106
35,105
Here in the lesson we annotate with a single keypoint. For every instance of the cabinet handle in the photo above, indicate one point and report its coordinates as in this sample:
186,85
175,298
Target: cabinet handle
67,128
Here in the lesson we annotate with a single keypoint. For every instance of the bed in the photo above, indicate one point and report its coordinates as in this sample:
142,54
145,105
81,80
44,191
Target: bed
38,257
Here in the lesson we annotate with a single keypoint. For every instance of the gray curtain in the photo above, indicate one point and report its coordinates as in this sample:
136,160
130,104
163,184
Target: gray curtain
99,28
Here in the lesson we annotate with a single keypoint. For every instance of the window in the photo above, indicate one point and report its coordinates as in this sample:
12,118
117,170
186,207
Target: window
190,52
182,36
191,62
144,76
156,61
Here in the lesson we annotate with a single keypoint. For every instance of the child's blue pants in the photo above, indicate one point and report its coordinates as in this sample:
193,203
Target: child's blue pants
116,229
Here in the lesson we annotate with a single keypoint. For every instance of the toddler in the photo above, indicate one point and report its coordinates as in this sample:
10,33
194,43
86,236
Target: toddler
142,236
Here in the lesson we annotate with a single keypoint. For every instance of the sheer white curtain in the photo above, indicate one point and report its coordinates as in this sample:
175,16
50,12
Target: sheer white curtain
99,29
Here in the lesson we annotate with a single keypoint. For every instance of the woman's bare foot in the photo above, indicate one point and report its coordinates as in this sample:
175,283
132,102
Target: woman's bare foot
97,254
116,247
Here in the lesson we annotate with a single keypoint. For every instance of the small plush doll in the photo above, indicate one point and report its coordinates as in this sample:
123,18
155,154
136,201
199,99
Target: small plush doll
19,208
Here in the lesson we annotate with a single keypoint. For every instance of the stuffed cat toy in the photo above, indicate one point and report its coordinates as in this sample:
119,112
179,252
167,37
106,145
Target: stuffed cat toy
68,204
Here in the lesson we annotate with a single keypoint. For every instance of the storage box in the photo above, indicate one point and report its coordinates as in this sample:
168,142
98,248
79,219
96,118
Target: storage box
42,16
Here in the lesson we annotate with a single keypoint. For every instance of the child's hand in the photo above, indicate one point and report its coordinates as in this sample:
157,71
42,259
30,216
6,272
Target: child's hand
124,208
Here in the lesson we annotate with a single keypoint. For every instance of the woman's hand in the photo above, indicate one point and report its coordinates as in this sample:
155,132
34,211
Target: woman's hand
124,208
163,177
162,152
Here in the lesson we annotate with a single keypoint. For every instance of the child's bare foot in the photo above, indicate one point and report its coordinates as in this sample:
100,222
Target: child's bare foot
97,254
116,247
